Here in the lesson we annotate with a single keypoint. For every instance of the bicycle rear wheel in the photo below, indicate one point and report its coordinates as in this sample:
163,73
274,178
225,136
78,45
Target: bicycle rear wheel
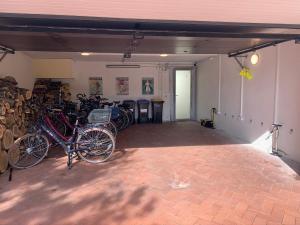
112,128
130,117
28,151
124,118
95,145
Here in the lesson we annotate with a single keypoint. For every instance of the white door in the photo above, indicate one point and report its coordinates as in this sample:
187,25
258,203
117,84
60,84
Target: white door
183,94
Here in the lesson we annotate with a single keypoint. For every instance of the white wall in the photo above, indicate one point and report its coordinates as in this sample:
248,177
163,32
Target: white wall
207,82
19,66
288,99
247,107
83,70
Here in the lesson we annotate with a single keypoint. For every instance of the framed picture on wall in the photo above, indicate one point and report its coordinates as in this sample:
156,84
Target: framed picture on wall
147,85
96,85
122,85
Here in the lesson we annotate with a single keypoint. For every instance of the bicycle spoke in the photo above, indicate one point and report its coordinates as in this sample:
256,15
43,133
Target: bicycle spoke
22,156
39,150
25,156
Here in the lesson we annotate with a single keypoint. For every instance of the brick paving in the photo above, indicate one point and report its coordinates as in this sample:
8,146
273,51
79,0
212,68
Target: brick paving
170,174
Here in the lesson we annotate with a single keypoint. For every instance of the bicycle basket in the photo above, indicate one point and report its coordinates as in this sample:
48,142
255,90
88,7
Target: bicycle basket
99,116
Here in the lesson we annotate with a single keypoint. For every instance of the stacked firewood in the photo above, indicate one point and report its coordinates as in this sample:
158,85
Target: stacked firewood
51,92
15,113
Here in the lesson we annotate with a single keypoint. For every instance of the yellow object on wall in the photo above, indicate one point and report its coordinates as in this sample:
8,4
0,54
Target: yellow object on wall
52,68
245,72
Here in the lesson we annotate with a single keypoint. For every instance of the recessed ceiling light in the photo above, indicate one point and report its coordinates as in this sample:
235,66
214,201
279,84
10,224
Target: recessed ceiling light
163,55
85,53
254,59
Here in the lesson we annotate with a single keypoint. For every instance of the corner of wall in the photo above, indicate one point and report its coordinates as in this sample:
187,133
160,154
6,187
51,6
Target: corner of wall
18,65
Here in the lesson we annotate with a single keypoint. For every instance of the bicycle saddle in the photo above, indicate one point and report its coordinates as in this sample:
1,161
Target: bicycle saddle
72,114
276,125
56,110
53,110
107,103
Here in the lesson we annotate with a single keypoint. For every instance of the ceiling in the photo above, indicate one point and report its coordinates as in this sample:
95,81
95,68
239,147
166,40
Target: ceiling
254,11
73,34
117,57
103,43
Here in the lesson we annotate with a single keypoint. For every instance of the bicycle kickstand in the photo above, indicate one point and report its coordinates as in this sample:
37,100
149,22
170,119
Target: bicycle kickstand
69,163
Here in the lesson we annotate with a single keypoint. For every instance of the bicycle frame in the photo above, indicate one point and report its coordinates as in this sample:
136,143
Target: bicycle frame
68,143
62,140
55,137
64,119
73,145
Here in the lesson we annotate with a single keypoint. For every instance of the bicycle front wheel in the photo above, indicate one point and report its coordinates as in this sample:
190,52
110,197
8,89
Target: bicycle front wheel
95,145
28,151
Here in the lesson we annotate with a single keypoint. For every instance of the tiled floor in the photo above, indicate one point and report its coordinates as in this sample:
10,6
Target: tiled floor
171,174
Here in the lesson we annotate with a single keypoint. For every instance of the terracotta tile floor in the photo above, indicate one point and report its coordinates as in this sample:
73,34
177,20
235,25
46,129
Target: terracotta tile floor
171,174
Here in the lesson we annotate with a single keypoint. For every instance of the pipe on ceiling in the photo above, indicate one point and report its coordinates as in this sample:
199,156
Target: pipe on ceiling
256,47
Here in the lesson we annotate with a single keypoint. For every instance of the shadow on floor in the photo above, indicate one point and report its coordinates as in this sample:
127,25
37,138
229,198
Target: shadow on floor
50,192
292,164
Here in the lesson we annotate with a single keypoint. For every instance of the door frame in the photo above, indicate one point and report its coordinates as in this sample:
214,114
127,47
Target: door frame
193,91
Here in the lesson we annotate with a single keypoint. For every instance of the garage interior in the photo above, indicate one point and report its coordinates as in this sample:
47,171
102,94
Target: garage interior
177,172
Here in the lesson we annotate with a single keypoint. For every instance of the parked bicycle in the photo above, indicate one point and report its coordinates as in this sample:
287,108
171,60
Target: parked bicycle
121,117
62,122
92,144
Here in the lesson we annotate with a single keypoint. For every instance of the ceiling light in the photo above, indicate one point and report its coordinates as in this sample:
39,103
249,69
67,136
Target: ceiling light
85,53
163,55
254,59
123,66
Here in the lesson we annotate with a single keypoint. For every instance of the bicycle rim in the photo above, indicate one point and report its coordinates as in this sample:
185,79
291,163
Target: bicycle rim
95,145
28,150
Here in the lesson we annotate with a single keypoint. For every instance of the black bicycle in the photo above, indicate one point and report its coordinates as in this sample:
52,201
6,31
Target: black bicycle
92,144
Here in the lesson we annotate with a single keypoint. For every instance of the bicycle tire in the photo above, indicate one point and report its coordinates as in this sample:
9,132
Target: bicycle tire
89,142
119,122
130,116
124,118
112,128
28,151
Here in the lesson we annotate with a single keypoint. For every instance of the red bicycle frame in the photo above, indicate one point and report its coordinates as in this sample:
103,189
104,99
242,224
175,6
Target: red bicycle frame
52,127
